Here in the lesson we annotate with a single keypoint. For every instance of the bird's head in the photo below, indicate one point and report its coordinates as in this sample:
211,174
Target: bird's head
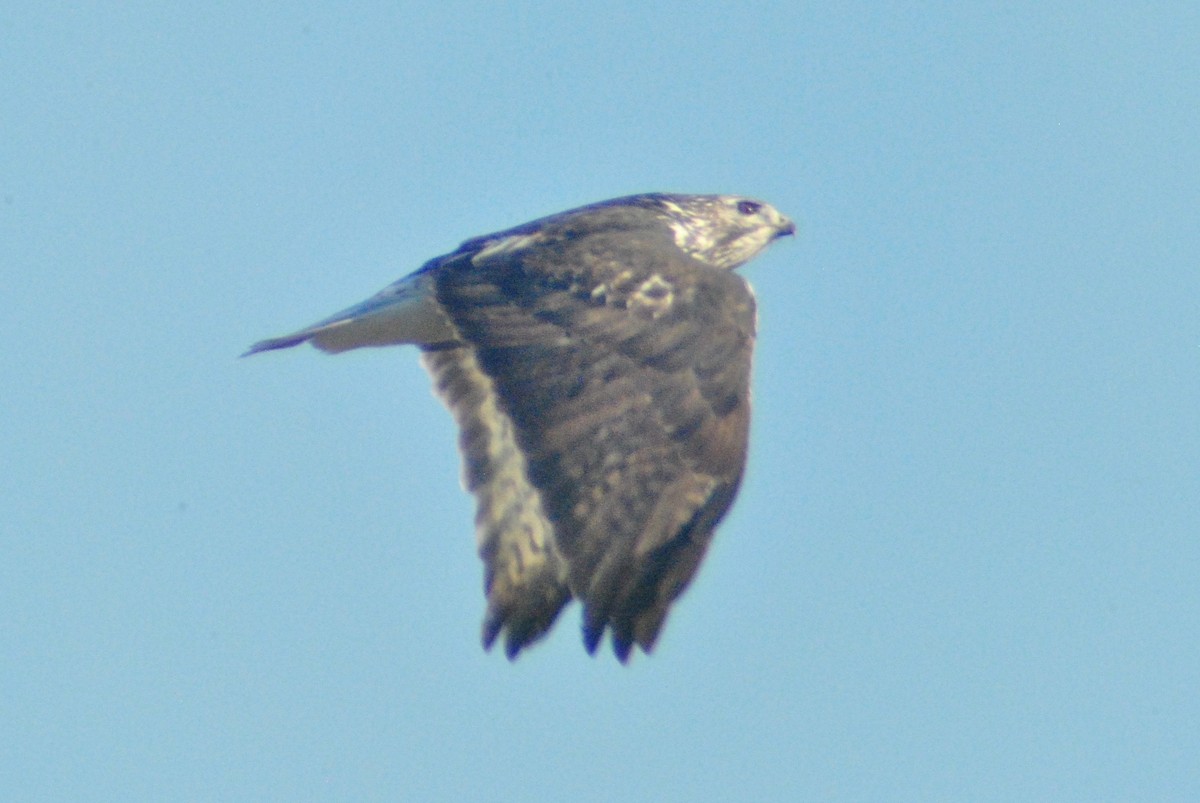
724,231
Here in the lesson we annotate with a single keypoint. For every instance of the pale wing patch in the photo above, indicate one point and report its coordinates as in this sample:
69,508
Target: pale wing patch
655,295
525,574
505,245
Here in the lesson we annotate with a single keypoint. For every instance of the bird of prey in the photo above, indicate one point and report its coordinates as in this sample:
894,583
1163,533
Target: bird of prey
597,363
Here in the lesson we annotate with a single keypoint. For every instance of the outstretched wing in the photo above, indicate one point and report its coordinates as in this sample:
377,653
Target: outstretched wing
602,387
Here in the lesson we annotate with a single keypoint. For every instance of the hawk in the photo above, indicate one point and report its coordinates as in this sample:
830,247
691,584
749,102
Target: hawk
597,363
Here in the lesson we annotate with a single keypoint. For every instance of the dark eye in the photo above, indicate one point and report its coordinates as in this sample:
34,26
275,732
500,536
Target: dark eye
748,207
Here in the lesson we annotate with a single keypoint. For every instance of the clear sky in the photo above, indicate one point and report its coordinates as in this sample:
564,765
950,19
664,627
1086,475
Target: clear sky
964,562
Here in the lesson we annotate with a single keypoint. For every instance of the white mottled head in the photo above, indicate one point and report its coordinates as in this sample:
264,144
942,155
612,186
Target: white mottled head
724,231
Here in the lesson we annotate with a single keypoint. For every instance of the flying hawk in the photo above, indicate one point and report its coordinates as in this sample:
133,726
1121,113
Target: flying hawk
597,363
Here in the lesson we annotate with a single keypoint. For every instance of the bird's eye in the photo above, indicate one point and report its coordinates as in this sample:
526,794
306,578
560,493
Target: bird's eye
748,207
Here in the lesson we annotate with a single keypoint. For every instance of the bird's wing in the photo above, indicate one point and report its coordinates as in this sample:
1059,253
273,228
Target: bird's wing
602,389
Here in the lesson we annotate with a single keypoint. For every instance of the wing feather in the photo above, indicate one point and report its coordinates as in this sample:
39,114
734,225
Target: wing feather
524,576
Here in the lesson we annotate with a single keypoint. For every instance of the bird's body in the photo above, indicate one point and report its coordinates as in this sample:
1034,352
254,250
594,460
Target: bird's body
597,363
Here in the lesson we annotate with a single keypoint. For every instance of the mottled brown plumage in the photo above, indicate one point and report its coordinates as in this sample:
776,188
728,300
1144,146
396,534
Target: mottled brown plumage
598,365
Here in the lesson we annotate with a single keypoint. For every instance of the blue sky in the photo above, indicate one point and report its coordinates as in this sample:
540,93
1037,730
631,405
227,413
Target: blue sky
963,564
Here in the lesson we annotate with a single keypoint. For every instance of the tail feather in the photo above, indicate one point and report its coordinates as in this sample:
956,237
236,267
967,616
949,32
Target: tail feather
270,344
406,312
